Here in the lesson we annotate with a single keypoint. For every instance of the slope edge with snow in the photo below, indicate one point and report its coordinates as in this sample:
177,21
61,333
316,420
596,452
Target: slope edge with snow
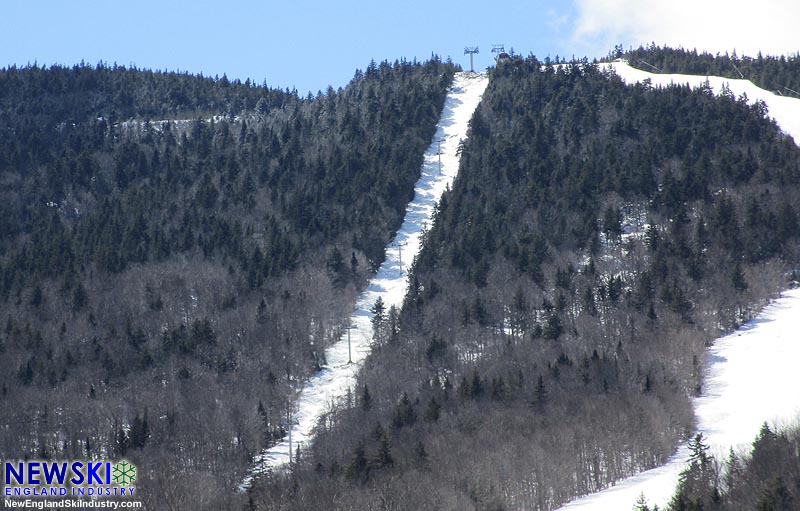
751,373
390,283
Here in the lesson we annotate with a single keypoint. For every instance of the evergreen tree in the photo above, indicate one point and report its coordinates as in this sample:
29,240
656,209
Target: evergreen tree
37,296
393,325
140,431
378,321
553,328
25,373
404,413
79,297
697,482
540,393
421,453
775,497
641,504
358,469
383,457
366,399
738,278
475,385
432,410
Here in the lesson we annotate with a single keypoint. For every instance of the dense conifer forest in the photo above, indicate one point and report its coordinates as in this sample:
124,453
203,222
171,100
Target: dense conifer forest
176,251
598,237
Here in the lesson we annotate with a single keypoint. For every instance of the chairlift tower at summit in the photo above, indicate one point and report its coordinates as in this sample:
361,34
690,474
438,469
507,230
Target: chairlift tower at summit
499,51
471,50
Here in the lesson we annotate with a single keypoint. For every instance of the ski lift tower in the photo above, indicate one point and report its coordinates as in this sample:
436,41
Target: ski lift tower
499,51
400,245
349,327
471,50
439,151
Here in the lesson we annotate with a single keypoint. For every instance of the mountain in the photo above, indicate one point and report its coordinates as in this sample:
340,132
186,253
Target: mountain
177,251
747,374
379,303
598,237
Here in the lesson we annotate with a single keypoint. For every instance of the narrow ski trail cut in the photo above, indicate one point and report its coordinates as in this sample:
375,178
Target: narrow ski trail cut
751,375
390,282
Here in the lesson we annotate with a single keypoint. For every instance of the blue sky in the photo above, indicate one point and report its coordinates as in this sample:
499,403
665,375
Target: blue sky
312,44
307,45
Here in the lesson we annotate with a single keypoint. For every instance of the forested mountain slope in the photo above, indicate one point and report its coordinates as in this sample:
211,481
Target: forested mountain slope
597,238
383,296
165,284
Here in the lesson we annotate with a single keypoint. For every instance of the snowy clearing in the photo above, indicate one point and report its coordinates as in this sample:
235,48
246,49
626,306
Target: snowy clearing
390,283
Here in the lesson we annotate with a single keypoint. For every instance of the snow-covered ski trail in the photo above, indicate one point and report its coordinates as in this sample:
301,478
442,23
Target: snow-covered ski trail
785,110
389,283
751,375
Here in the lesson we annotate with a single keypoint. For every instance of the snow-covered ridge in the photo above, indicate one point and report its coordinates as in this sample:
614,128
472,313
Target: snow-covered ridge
751,375
390,283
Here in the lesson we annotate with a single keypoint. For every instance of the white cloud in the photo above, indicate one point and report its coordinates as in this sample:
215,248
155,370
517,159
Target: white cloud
555,21
769,26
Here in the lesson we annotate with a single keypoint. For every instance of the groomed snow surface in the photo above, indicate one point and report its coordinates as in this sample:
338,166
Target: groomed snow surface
751,377
785,110
751,374
390,283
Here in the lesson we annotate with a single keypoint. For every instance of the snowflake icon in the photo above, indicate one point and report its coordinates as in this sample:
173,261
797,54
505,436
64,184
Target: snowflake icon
124,473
